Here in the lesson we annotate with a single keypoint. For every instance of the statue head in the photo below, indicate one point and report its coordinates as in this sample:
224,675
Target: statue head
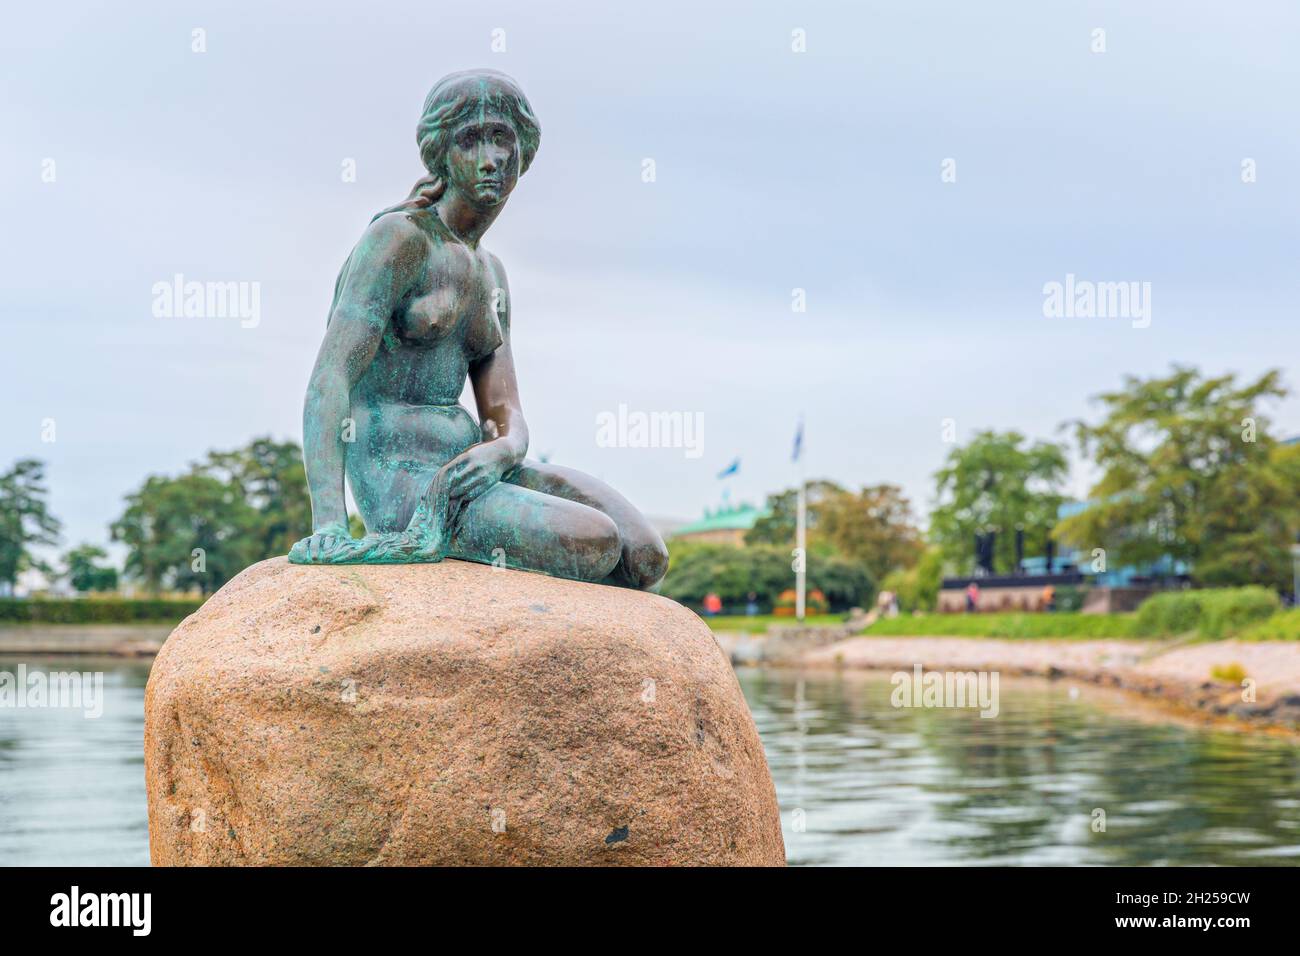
477,133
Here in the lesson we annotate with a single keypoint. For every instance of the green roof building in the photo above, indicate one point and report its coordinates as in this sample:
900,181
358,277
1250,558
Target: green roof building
724,525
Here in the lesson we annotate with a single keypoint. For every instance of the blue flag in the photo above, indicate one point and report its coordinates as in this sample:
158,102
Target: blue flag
730,469
798,442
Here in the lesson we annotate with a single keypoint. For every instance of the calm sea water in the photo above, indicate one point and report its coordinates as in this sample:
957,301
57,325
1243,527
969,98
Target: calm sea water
858,780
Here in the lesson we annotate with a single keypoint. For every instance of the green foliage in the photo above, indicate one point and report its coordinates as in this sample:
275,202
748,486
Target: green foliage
1174,612
997,482
187,532
25,520
1283,626
874,527
270,477
235,508
917,588
1232,673
1190,470
1210,614
697,569
93,611
777,525
1069,598
85,573
1012,625
758,623
1228,612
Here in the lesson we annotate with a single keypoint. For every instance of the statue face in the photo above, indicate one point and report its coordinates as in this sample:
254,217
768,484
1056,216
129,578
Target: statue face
483,159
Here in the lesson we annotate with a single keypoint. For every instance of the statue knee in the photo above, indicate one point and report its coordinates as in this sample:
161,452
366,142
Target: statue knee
598,546
645,560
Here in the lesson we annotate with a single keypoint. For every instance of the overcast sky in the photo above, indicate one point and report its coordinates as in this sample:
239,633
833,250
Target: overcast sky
774,170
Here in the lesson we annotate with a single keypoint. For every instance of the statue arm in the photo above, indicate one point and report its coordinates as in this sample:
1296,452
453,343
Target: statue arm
496,393
376,277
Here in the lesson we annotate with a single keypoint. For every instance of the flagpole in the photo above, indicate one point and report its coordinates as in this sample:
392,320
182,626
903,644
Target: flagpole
801,532
801,542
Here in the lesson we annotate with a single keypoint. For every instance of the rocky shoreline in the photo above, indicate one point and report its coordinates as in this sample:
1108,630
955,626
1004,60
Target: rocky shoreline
98,640
1180,674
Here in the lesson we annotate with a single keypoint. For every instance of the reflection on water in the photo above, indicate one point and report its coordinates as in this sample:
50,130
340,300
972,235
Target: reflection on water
72,789
875,784
891,786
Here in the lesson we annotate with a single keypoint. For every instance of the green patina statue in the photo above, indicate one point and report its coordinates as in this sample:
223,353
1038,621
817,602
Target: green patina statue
418,305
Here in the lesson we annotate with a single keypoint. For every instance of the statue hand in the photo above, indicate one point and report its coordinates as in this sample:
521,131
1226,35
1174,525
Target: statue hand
322,545
478,469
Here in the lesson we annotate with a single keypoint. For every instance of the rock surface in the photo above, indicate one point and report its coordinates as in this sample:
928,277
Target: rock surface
449,713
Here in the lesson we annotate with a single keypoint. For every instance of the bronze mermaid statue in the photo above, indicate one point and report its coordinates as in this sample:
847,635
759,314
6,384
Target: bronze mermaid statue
418,306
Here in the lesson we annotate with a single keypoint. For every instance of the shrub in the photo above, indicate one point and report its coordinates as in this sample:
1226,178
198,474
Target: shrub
1230,611
917,587
1011,625
1232,673
1174,612
94,610
1069,598
1212,613
732,573
1283,626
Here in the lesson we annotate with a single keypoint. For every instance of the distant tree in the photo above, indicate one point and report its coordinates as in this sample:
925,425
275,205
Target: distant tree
997,482
733,573
187,532
917,587
270,477
83,571
777,526
25,520
1191,470
875,526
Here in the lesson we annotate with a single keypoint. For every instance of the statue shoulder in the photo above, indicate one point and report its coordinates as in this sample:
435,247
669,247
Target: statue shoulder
393,235
497,270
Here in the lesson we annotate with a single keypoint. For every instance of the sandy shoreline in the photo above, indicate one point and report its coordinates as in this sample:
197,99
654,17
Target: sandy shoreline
1179,674
114,640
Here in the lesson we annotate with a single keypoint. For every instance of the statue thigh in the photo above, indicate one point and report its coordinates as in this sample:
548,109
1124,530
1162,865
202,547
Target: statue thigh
644,557
521,528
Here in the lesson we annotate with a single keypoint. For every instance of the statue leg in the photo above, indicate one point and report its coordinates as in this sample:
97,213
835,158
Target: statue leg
525,529
643,559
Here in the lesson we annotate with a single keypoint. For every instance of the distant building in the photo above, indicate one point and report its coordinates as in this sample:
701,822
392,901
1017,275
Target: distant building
1025,589
724,525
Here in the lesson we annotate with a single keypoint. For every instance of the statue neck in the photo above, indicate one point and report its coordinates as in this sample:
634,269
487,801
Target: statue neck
465,220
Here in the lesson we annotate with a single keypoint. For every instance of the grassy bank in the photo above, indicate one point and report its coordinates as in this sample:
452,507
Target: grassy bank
1283,626
758,623
1250,614
1060,626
